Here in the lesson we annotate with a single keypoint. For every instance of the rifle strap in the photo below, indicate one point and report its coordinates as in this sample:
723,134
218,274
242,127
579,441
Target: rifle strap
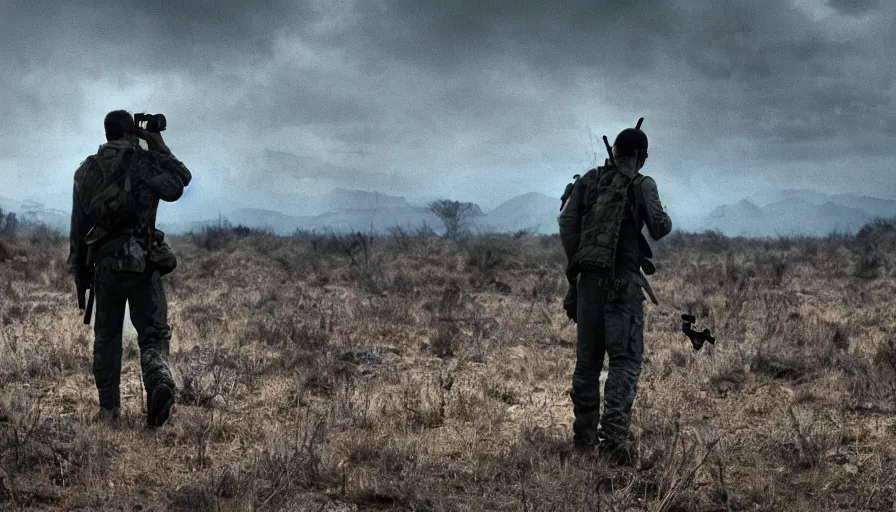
635,200
110,173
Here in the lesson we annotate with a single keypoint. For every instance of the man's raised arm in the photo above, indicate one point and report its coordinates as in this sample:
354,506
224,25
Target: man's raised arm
170,184
659,224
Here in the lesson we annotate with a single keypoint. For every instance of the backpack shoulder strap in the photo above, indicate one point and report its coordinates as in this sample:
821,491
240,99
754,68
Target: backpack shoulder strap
116,183
635,196
589,179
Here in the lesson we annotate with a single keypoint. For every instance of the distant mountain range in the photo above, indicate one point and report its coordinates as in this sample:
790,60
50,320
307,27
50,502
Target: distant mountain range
786,212
798,212
874,206
532,212
338,221
32,212
349,210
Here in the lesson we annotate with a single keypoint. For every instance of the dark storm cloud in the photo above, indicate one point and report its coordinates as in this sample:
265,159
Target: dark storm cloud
854,7
468,98
552,36
764,67
168,34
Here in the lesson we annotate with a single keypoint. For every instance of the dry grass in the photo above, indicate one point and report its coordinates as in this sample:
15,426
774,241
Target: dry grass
415,373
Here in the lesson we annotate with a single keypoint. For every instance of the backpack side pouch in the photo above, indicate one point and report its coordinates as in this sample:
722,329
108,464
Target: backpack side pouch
161,257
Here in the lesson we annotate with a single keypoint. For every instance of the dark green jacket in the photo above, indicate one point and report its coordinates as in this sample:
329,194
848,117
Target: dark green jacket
566,194
592,218
157,175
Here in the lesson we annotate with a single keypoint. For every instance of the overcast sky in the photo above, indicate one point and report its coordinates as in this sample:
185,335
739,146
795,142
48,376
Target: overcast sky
467,99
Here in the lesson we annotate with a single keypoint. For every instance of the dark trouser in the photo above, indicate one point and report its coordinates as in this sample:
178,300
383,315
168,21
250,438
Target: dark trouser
611,324
149,314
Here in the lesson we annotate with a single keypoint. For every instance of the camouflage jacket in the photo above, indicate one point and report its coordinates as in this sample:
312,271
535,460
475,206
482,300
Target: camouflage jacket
593,216
155,175
565,196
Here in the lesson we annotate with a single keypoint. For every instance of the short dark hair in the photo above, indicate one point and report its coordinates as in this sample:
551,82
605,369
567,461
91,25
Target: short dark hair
629,141
117,123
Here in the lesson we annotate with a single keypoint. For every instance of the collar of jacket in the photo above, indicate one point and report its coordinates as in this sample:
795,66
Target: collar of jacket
627,165
115,144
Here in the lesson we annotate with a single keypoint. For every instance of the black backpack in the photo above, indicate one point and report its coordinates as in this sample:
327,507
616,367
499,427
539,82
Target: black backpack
120,230
115,205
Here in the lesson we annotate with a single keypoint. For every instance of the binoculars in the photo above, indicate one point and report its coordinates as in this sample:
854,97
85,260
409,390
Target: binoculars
155,123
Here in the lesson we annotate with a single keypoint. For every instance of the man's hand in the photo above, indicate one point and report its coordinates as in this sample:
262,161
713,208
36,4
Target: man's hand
81,290
571,303
83,282
83,273
153,140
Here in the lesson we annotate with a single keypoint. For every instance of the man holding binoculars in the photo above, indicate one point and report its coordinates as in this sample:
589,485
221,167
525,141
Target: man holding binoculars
117,254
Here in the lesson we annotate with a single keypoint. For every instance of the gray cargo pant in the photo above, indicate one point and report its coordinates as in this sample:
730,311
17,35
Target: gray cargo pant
149,313
612,324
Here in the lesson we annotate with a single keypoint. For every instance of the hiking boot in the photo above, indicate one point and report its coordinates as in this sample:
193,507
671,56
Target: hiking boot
617,453
160,406
584,440
584,433
110,416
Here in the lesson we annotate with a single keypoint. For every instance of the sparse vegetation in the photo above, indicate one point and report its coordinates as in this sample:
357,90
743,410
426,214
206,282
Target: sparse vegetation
9,223
416,372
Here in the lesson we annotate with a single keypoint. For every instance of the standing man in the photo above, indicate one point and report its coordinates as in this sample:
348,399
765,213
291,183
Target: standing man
116,252
600,227
568,191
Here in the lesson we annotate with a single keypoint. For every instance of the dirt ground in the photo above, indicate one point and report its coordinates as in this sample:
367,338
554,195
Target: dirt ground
409,372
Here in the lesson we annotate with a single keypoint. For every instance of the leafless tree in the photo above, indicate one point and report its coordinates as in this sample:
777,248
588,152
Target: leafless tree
455,215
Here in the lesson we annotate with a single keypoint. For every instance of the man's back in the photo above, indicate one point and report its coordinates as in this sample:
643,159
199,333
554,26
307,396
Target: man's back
151,175
624,212
145,168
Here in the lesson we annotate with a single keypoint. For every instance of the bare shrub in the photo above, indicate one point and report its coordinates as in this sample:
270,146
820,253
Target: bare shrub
445,343
487,255
215,236
283,327
192,498
426,406
874,242
870,261
206,375
871,380
9,223
455,215
290,463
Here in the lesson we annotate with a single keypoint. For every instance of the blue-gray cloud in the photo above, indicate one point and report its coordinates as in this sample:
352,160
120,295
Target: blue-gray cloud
476,100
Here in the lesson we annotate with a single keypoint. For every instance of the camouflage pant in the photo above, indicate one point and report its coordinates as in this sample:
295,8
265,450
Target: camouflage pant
149,314
619,334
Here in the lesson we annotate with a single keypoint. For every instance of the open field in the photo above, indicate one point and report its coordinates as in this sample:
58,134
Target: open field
418,373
